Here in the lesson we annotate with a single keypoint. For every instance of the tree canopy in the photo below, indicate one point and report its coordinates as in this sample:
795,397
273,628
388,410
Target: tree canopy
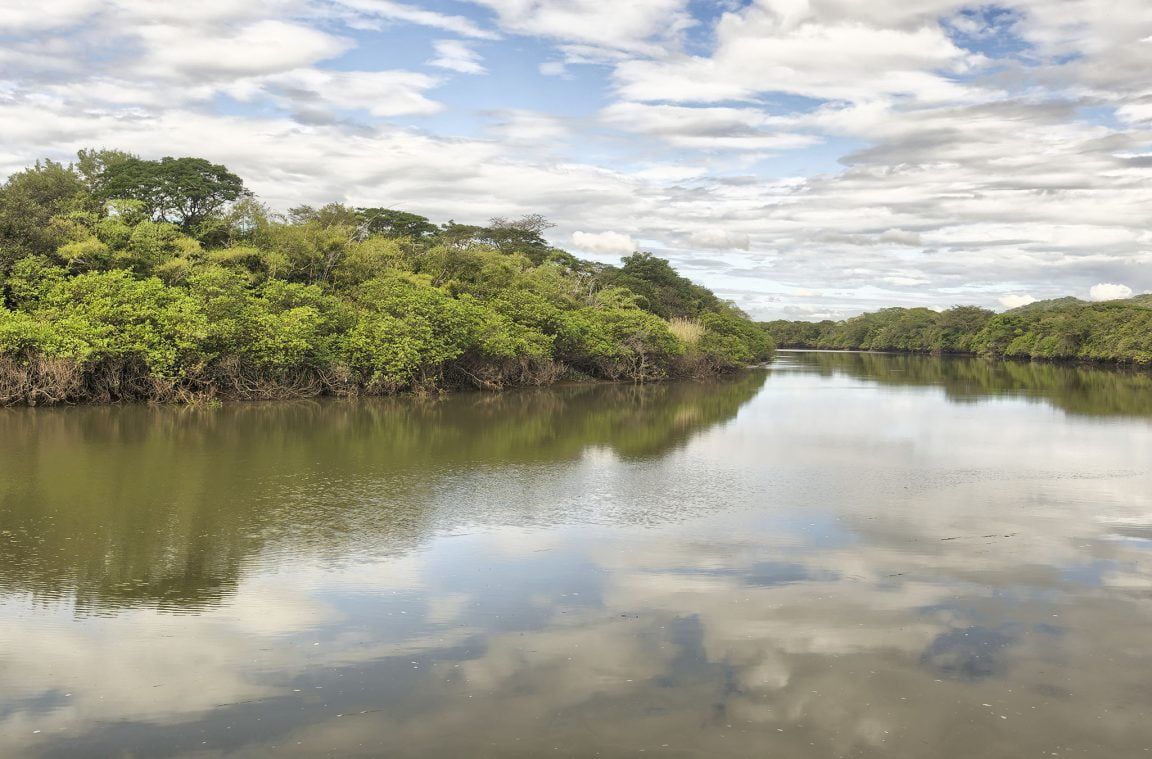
1065,328
185,191
122,277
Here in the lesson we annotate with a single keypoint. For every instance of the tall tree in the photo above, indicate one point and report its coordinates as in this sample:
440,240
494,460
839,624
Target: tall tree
186,191
666,292
524,236
393,223
28,202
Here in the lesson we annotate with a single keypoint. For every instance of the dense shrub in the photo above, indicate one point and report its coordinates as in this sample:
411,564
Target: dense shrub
116,293
1116,331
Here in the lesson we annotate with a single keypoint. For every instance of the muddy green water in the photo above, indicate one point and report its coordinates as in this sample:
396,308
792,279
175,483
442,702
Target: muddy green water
843,555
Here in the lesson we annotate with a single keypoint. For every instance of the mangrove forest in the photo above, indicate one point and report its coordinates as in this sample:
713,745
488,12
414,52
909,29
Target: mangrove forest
123,278
1117,331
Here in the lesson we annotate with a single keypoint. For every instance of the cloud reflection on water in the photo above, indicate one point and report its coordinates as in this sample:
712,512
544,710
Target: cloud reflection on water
841,567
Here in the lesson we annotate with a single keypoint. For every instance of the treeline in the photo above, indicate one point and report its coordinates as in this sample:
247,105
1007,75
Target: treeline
1117,331
130,279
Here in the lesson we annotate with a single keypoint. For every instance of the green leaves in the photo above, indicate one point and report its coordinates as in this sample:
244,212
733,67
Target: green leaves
1119,331
111,315
168,277
28,202
185,191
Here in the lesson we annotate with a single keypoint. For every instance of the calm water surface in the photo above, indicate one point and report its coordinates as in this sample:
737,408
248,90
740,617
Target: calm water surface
844,555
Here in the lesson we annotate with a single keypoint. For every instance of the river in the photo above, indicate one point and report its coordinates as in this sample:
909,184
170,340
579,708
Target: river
841,555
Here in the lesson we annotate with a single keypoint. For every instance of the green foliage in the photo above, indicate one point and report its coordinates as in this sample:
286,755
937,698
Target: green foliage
733,339
1066,328
31,279
309,250
367,259
153,244
23,337
164,279
1112,331
391,223
111,315
521,236
29,201
186,191
665,292
959,326
619,343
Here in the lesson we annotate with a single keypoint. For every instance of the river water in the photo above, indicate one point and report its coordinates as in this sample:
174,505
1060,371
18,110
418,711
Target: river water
842,555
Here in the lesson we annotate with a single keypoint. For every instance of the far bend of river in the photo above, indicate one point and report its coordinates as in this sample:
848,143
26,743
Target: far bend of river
843,555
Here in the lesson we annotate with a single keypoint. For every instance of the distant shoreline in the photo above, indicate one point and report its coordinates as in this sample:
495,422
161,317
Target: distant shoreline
1098,363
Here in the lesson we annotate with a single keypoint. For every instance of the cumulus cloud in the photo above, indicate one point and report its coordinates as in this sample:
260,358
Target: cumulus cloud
709,128
719,239
46,14
392,11
1016,300
592,28
382,93
886,237
259,48
522,126
817,49
457,55
882,153
1108,291
604,242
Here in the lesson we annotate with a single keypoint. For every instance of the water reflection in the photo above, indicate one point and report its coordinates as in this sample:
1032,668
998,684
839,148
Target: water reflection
162,506
1077,389
812,565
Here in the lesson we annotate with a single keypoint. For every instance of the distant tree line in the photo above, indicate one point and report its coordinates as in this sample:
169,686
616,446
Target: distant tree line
1066,328
126,278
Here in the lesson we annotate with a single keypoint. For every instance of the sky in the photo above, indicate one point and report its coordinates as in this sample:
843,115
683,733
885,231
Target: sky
806,159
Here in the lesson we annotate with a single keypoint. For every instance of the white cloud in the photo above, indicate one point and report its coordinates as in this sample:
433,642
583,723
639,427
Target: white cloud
17,16
905,281
708,128
386,9
1108,291
604,242
520,126
457,55
195,17
639,26
814,49
260,48
1016,300
382,93
906,160
718,238
1134,113
899,237
555,68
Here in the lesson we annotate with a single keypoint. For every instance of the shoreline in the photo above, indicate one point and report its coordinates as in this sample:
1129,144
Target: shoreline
1098,363
271,392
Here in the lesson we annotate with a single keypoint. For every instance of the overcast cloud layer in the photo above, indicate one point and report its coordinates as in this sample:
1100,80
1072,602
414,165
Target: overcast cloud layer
805,158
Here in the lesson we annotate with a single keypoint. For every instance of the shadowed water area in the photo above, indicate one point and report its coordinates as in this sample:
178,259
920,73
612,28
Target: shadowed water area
843,555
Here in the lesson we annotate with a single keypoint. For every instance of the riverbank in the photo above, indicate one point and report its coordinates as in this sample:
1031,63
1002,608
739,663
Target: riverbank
51,382
1114,332
1109,364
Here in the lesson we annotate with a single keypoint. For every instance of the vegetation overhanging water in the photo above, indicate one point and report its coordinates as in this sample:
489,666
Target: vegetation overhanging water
124,279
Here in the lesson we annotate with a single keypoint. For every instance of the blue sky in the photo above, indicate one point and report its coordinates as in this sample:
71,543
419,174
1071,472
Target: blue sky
805,158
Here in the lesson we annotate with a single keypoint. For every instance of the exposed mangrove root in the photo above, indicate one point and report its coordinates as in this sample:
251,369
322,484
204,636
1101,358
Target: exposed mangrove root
41,381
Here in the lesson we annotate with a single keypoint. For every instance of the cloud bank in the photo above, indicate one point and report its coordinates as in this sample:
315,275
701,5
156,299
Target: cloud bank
885,153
